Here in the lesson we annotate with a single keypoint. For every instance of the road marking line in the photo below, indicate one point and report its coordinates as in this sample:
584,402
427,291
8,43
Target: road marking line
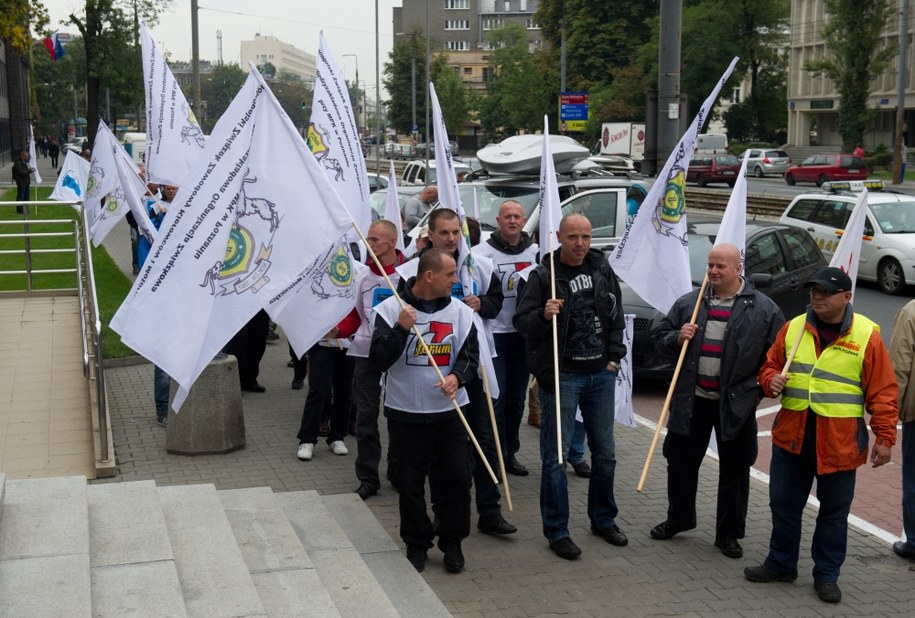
767,411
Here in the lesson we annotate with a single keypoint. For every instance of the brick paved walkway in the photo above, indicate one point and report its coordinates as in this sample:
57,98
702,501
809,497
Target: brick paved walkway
519,576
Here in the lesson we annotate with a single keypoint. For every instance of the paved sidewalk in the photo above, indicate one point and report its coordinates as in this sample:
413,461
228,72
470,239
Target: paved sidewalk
518,575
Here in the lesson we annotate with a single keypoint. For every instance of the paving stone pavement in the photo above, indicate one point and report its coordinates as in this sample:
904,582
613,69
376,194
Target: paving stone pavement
518,575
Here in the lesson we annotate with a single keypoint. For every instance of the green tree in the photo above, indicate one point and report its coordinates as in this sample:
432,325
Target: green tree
268,69
220,87
454,98
58,86
852,36
110,32
16,19
398,80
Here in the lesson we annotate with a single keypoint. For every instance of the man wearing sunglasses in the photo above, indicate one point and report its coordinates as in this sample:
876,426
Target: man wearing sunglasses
840,371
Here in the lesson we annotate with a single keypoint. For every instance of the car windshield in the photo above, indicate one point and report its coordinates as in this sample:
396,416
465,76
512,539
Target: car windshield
727,160
895,217
490,197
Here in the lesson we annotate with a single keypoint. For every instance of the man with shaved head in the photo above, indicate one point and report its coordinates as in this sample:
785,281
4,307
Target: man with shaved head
590,322
716,388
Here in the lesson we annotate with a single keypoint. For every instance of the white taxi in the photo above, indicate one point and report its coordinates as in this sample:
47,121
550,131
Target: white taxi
888,248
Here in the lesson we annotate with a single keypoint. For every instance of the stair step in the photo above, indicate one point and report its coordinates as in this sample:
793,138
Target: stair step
407,590
213,574
130,550
44,546
344,573
282,572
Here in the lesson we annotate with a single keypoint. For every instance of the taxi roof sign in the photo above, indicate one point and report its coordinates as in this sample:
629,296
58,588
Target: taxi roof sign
853,185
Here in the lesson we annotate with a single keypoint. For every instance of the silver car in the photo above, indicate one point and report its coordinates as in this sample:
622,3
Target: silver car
765,161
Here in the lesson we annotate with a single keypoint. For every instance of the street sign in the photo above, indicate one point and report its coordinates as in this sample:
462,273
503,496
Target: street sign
415,128
573,111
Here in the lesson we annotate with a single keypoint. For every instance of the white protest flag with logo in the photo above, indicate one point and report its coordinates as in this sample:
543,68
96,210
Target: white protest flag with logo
326,288
848,252
33,157
135,194
653,257
550,213
71,182
450,198
733,227
106,201
392,207
173,136
236,239
623,412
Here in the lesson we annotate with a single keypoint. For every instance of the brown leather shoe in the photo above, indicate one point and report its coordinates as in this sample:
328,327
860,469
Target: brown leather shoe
533,419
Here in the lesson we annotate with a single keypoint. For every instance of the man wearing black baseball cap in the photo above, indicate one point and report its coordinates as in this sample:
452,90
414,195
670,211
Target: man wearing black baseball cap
839,370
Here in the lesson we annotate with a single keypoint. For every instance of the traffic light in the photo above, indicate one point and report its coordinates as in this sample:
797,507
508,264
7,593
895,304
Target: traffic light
304,105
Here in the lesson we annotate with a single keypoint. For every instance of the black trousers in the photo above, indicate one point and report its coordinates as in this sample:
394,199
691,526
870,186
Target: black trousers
248,347
367,401
439,448
684,456
330,381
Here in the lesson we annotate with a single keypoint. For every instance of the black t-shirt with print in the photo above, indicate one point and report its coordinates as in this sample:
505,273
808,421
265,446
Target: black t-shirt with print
584,349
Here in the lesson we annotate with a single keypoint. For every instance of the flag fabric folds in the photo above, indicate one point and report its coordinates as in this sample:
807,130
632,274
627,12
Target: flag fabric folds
733,227
652,256
71,182
392,207
550,213
326,291
848,253
33,157
235,239
173,136
54,47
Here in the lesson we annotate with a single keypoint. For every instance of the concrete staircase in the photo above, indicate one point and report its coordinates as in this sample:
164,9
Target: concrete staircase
117,549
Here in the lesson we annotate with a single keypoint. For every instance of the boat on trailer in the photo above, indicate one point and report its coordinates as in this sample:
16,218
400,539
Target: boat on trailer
521,154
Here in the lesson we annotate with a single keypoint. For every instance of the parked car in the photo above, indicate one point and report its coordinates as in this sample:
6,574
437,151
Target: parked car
379,199
377,181
764,161
395,150
421,148
616,164
416,173
704,169
888,248
785,253
827,167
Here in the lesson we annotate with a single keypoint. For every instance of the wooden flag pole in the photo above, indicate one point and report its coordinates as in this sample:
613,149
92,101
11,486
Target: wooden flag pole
495,435
670,391
797,343
428,353
556,356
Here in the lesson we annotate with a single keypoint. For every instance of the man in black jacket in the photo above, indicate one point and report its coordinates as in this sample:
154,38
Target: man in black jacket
426,435
22,172
590,323
716,388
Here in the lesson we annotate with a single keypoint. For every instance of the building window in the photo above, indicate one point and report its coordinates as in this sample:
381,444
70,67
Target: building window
485,74
457,24
532,25
457,4
457,45
735,94
508,6
468,70
493,23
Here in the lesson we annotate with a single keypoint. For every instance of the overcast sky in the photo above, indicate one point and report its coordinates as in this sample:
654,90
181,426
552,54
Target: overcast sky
348,25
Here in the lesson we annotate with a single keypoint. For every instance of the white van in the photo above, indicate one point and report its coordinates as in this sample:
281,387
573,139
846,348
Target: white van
711,143
135,145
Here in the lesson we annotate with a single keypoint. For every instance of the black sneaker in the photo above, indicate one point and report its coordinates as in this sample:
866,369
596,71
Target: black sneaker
582,469
730,548
454,558
417,556
495,524
666,530
828,591
565,548
764,575
162,420
611,534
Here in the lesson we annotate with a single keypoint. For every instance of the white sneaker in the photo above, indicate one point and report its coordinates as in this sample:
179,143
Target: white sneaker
305,452
339,448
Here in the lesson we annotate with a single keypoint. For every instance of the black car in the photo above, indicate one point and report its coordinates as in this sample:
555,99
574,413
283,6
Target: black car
785,253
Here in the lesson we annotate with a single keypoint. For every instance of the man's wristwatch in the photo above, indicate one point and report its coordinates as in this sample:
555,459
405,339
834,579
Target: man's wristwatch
613,366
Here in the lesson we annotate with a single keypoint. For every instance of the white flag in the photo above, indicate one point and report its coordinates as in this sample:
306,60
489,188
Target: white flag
135,194
848,252
623,411
236,238
733,227
173,136
653,257
326,289
550,213
33,157
392,207
71,182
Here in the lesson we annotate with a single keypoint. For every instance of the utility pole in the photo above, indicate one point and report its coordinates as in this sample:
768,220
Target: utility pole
562,65
195,56
899,145
669,79
377,93
413,82
426,87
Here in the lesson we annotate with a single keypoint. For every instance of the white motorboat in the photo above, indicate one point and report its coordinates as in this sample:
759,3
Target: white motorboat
521,154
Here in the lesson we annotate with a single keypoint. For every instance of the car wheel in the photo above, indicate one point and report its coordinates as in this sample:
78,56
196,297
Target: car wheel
890,277
700,180
789,178
823,178
758,172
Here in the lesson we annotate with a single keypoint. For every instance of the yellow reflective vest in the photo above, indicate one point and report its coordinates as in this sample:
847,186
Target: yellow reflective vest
831,384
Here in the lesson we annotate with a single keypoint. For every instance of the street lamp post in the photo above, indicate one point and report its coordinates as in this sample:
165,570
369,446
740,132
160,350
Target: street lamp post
356,56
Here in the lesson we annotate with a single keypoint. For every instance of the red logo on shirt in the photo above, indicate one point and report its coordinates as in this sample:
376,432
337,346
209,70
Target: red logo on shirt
434,337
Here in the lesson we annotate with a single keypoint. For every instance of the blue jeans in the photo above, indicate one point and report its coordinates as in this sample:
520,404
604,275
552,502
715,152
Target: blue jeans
908,482
161,384
791,477
512,374
593,393
577,448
